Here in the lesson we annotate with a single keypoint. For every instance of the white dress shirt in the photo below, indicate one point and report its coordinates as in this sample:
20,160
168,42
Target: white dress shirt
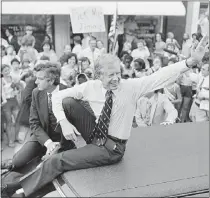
77,49
124,98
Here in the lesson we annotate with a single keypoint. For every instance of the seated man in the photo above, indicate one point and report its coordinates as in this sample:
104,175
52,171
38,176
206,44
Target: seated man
106,131
45,130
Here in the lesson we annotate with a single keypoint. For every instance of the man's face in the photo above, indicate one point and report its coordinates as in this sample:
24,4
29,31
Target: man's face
29,30
205,70
43,83
111,77
140,45
92,44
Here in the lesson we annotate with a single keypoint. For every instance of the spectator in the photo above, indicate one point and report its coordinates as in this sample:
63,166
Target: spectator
122,55
72,62
100,46
186,45
9,55
126,69
81,78
157,65
64,57
139,68
77,45
185,83
161,110
10,103
141,52
89,73
85,63
171,38
170,46
92,53
25,67
29,35
173,93
159,44
49,52
12,39
68,76
195,39
27,50
200,108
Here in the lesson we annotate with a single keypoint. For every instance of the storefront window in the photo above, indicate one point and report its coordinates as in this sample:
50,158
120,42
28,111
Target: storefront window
42,25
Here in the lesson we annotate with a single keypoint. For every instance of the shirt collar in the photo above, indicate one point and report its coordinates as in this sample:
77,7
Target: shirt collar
55,90
114,91
63,82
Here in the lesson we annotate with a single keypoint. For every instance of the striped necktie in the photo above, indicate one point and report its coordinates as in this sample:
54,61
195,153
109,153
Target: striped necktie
100,130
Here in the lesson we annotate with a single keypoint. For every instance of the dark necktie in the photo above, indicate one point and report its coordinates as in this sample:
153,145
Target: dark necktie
52,118
100,130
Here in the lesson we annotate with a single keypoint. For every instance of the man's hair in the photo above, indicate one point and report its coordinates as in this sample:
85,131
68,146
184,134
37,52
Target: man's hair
141,64
103,61
15,60
51,70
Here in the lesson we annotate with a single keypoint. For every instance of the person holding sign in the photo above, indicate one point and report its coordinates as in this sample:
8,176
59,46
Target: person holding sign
92,52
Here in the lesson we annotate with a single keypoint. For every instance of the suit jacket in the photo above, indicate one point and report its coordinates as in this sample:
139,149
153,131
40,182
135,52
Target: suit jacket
39,117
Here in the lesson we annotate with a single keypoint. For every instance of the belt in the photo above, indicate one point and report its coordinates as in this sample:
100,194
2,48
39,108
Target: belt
117,139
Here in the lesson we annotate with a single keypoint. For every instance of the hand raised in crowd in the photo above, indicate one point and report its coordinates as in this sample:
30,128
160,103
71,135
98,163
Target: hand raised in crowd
69,131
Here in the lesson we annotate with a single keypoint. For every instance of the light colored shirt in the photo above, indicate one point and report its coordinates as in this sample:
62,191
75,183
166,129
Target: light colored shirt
143,54
77,49
159,46
124,98
92,56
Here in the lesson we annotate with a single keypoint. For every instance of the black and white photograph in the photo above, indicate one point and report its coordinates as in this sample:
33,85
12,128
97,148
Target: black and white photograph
104,98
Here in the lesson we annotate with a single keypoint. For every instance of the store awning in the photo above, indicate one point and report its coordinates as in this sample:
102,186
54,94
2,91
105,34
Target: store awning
124,8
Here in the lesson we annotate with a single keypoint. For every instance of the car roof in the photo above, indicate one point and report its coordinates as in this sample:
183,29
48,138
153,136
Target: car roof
159,161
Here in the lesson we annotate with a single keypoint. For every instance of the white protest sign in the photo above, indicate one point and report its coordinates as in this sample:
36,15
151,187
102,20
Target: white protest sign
87,19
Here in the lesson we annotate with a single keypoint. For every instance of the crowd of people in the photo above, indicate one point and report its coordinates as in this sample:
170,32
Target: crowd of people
81,92
172,104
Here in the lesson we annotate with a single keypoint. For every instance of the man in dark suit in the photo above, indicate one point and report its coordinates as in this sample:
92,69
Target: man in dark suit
45,132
